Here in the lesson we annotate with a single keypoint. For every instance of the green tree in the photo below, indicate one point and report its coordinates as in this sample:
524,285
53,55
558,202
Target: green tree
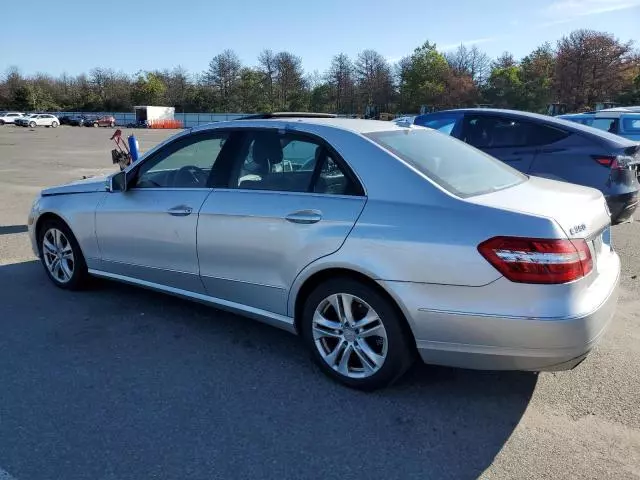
423,77
149,89
504,88
536,72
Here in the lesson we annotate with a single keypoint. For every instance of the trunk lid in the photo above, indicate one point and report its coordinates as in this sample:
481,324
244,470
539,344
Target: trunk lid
581,212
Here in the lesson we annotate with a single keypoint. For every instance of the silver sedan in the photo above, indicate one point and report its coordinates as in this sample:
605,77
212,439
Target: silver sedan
376,243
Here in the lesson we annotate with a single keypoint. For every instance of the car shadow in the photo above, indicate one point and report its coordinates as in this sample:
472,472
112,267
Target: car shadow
11,229
120,382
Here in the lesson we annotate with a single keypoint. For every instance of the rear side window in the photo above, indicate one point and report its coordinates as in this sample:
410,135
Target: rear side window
505,132
607,124
631,125
456,167
442,123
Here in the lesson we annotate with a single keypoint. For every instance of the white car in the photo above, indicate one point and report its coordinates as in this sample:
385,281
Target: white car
39,119
9,117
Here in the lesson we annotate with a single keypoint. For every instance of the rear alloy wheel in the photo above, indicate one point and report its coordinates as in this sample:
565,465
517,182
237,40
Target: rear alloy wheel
61,256
95,124
112,124
54,124
355,334
32,124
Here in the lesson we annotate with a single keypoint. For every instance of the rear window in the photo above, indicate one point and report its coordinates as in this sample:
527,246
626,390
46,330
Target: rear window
631,124
452,164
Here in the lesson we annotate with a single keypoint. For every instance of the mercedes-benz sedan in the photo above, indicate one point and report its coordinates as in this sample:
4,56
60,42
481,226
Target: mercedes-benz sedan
376,243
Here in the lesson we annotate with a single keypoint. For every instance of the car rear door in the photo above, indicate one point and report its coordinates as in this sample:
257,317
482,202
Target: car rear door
505,138
290,199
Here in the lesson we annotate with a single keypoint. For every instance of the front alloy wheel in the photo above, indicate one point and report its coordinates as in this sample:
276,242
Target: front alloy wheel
58,255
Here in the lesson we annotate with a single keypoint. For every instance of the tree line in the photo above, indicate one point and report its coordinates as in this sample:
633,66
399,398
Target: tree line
583,68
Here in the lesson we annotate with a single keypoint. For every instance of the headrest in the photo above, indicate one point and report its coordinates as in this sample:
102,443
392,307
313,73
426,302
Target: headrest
266,149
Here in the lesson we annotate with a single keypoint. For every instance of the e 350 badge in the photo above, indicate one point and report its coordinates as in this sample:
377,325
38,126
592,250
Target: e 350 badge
577,229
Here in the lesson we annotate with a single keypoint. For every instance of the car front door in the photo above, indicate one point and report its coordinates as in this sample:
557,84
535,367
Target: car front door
148,232
505,138
290,200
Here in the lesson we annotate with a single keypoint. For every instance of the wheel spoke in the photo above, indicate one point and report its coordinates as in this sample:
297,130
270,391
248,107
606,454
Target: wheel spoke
48,246
343,366
55,268
66,270
332,358
366,362
373,330
373,358
56,238
347,308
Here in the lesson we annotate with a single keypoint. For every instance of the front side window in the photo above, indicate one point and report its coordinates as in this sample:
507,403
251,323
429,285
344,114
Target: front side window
288,162
456,167
185,163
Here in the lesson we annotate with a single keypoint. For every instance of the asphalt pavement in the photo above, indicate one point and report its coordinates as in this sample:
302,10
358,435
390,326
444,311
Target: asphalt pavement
120,383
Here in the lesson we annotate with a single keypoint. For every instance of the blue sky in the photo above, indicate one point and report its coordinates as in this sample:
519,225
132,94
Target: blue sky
148,34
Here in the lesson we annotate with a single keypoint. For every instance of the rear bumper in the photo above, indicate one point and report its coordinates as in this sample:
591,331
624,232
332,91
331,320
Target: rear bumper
488,341
622,206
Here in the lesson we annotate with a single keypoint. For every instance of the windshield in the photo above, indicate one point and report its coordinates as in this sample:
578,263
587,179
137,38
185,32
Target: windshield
452,164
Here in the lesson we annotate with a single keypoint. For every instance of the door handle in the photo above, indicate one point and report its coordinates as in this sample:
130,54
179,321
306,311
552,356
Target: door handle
180,211
304,216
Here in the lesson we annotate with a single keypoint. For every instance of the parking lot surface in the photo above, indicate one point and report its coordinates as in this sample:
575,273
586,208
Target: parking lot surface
122,383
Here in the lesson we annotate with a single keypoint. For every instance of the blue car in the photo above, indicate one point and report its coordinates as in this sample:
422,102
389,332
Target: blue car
550,147
618,121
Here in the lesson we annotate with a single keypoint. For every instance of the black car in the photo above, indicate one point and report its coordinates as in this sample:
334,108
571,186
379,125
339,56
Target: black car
78,120
553,148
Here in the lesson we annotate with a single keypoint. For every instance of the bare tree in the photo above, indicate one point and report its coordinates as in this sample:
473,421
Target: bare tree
374,78
223,75
289,78
340,77
470,61
267,67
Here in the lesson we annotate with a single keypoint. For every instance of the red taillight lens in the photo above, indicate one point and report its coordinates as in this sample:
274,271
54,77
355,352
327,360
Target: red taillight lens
606,161
538,260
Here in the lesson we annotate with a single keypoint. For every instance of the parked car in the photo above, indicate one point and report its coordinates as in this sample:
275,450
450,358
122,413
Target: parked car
551,147
619,121
24,120
381,244
405,120
77,120
65,119
9,117
40,120
103,121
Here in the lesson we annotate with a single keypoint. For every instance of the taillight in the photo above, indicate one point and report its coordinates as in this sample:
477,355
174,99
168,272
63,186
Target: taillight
606,160
538,260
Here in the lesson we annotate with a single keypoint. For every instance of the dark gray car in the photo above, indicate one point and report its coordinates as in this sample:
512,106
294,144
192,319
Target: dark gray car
552,148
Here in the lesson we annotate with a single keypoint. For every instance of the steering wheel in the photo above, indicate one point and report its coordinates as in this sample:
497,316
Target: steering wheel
190,176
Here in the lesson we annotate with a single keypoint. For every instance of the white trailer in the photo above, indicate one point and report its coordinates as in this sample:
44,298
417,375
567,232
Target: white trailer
149,113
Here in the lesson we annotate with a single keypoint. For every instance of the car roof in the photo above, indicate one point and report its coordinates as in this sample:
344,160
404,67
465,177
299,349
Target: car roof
609,138
354,125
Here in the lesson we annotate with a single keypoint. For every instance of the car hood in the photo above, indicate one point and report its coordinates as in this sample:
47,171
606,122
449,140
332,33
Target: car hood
86,185
580,211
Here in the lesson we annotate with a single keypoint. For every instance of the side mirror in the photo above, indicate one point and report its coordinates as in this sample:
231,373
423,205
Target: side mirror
117,182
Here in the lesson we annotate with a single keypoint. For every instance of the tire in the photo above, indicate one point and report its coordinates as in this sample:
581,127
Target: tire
96,125
112,124
54,124
375,360
1,122
55,242
32,124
